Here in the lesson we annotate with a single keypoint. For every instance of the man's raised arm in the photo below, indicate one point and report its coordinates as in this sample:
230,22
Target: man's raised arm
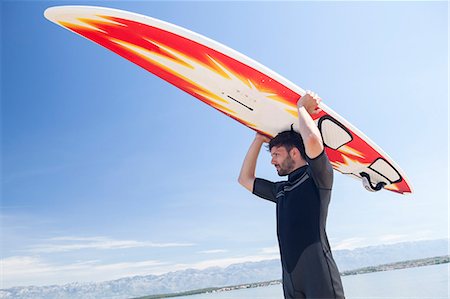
247,174
312,139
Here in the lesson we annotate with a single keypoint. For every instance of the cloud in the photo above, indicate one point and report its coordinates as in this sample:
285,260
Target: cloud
44,264
350,243
34,270
224,262
65,244
271,250
393,238
357,242
22,265
416,236
28,270
213,251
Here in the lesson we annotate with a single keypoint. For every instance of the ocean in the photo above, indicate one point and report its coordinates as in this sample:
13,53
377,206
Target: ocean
420,282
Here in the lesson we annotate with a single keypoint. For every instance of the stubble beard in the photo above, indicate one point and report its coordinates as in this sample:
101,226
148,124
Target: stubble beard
286,166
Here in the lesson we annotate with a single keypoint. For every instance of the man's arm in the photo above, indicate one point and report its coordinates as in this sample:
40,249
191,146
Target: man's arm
312,139
247,174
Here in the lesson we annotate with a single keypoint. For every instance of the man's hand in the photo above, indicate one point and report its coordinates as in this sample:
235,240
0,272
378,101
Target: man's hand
310,101
262,138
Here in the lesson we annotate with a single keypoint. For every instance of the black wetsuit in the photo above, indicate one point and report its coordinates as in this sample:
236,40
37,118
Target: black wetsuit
309,270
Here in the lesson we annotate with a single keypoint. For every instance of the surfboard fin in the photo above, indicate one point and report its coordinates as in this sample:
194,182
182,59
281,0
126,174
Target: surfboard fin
368,184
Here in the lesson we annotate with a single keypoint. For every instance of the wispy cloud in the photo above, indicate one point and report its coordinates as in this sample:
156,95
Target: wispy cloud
357,242
350,243
64,244
224,262
271,250
419,235
39,267
36,270
212,251
394,238
27,270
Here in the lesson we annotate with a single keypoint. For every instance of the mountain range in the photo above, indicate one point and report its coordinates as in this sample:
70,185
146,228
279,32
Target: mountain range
242,273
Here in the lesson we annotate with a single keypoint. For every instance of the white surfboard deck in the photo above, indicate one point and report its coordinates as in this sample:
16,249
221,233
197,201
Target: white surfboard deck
232,83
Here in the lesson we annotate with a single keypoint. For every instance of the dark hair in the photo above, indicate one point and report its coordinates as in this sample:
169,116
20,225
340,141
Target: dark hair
289,139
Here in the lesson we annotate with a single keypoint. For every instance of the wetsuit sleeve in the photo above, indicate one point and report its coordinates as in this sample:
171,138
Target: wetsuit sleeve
322,171
265,189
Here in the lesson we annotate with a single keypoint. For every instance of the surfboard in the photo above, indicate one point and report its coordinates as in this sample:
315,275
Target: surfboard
232,83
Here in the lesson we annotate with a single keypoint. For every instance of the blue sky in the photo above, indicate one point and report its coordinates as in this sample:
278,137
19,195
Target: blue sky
108,171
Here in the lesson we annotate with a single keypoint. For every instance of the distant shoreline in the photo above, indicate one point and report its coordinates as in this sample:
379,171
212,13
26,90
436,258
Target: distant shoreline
380,268
400,265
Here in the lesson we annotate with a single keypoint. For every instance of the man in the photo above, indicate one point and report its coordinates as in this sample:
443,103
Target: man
309,270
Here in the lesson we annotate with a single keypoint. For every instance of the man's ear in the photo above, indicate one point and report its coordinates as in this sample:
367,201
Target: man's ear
294,153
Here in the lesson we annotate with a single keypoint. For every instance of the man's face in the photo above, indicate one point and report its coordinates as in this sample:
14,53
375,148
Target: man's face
282,160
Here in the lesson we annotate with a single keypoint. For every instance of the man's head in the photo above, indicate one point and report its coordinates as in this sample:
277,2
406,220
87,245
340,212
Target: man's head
287,151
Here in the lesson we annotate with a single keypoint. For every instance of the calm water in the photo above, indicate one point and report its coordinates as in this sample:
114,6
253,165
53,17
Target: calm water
422,282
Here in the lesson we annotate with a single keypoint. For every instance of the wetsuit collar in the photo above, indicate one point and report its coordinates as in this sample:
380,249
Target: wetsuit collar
297,173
